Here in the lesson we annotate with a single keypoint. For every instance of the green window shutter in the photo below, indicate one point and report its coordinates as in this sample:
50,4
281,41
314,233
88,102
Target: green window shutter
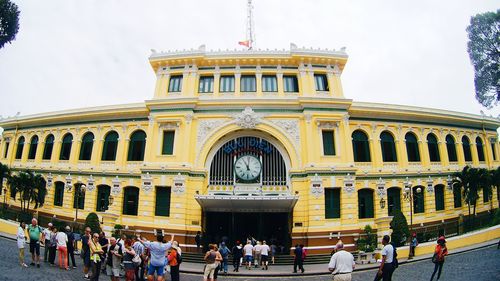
457,197
20,147
86,147
439,197
393,200
33,147
110,146
480,150
168,142
137,145
412,148
103,192
493,151
361,147
450,147
66,147
486,197
162,207
365,203
59,194
130,201
49,146
328,142
466,148
78,201
332,203
418,200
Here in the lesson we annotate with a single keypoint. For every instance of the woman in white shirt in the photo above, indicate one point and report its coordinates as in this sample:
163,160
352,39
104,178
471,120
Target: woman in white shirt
21,241
62,250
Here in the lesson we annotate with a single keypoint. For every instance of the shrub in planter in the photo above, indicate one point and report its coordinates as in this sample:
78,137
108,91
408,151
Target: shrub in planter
368,242
400,231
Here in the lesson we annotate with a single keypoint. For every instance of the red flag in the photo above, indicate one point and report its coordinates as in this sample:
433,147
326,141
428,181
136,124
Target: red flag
244,43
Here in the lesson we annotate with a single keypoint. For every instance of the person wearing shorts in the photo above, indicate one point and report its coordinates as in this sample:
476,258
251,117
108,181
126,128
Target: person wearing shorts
264,255
158,249
35,231
212,259
85,253
113,260
248,251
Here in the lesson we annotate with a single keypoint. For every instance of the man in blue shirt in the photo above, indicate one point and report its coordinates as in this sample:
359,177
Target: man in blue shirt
158,250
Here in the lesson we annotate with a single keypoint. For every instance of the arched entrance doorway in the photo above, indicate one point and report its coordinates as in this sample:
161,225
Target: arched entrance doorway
248,192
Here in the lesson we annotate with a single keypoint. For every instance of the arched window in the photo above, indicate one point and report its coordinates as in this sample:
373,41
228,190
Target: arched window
78,198
136,146
47,149
457,197
66,147
480,149
103,192
20,147
451,148
365,203
131,200
110,146
466,147
418,199
393,200
360,146
439,197
33,147
86,148
412,148
58,193
388,147
432,145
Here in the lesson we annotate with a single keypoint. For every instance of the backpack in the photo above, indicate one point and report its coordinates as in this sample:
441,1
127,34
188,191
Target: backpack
304,254
53,240
178,258
395,262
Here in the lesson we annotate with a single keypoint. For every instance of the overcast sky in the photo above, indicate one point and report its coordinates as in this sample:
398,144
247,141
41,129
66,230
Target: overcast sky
72,54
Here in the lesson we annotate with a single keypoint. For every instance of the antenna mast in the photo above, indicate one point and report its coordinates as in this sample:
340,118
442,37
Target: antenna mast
250,36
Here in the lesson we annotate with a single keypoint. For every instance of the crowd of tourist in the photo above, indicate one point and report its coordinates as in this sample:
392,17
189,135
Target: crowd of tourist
137,258
132,258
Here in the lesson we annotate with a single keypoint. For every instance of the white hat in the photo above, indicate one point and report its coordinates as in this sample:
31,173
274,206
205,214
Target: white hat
50,224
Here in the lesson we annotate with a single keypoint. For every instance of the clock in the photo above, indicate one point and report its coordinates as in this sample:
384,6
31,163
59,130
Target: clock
247,167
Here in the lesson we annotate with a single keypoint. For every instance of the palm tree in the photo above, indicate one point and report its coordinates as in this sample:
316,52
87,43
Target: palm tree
30,187
4,173
494,181
461,180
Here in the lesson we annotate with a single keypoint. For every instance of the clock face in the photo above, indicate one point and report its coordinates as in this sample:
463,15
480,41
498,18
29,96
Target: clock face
247,167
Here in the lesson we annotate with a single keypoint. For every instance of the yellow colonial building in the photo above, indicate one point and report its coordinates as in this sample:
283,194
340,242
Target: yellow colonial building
261,143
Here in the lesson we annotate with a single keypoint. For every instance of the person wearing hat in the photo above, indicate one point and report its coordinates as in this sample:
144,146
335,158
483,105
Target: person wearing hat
341,263
438,258
47,232
413,245
174,261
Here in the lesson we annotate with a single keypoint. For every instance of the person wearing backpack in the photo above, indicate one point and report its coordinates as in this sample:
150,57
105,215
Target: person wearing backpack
438,258
224,251
386,266
175,260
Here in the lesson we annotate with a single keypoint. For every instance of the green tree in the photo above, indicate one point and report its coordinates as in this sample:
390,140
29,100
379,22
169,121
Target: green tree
92,221
9,22
30,187
471,181
484,53
400,230
4,173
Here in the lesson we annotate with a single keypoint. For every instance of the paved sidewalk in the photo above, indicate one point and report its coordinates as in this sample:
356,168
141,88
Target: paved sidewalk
310,270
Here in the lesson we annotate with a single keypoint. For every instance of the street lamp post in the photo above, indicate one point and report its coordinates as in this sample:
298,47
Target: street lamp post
79,192
408,196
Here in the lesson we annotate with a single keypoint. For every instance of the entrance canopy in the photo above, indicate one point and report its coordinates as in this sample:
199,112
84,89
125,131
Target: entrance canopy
241,203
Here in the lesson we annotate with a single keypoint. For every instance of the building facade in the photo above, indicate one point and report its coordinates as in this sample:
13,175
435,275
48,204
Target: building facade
260,143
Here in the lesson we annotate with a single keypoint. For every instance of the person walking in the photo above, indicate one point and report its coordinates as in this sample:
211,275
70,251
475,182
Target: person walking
248,250
224,251
62,250
274,250
218,261
70,246
211,263
264,255
113,260
46,235
95,257
297,260
341,263
197,239
53,246
85,253
174,261
257,254
413,245
386,267
237,254
34,233
21,242
158,249
139,250
438,258
129,265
